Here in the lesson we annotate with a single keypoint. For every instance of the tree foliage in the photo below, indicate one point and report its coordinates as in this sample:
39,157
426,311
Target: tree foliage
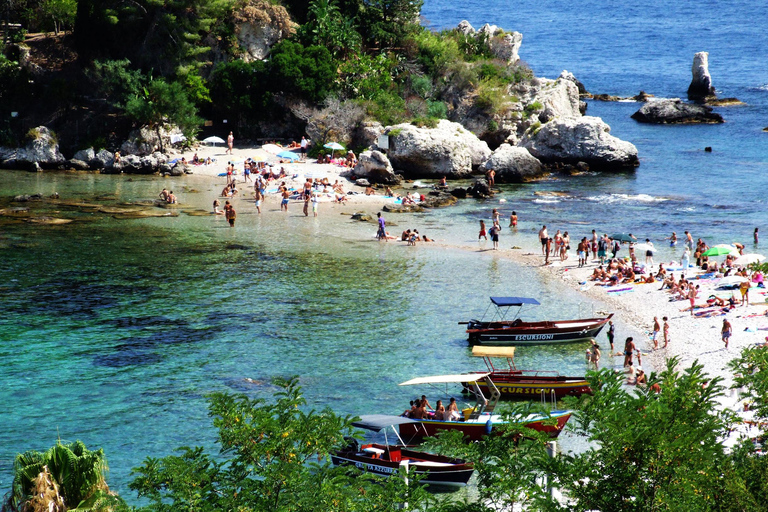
162,103
651,450
270,453
305,71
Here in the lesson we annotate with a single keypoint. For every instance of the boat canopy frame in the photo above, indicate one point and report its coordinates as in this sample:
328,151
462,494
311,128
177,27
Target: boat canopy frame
503,305
483,405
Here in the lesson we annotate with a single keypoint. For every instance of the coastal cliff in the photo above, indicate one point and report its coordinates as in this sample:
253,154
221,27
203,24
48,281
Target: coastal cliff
457,95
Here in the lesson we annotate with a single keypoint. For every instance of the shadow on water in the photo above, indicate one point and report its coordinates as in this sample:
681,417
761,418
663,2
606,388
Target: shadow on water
141,350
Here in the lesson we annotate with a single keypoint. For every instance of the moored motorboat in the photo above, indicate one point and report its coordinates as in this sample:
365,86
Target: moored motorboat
524,384
500,331
479,421
387,459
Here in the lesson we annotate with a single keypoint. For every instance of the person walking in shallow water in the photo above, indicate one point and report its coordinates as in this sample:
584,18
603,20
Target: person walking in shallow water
482,233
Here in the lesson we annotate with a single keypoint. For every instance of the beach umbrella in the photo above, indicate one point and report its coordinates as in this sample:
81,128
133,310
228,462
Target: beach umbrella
288,155
731,281
720,250
749,259
623,237
333,146
214,140
272,148
644,248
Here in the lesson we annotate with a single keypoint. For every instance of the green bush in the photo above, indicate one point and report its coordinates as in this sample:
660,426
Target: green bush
491,97
533,107
388,108
425,122
422,86
436,53
364,76
308,72
493,126
437,109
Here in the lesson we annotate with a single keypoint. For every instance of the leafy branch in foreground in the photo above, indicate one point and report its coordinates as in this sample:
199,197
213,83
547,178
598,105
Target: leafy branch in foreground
274,459
652,448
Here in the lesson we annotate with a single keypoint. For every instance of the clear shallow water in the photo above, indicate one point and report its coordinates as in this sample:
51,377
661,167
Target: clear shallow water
113,331
620,49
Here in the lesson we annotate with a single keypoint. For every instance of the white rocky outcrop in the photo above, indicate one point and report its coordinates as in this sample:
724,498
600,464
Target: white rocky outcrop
85,155
504,45
144,141
42,150
558,98
375,167
513,164
446,150
701,83
259,25
584,139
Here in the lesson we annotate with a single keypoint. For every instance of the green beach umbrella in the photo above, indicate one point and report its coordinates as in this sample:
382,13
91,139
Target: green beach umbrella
623,237
720,250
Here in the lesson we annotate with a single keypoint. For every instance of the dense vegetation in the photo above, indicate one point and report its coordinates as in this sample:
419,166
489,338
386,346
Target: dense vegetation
153,62
655,448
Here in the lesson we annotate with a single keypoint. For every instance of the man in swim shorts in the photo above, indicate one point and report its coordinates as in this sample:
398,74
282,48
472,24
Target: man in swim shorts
543,236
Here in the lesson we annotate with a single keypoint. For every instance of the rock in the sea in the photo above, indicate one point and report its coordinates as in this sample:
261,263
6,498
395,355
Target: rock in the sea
584,139
362,216
480,189
374,167
438,199
402,208
567,75
675,111
701,84
447,150
559,98
41,151
102,159
78,164
86,155
513,164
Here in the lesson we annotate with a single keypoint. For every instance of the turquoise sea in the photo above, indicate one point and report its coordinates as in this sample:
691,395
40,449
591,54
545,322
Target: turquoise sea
113,331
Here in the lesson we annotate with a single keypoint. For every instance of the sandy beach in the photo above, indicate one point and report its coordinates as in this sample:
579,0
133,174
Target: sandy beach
296,173
692,338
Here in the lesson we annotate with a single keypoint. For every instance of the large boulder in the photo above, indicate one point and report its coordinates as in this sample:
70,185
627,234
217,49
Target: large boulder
375,167
584,139
701,84
558,98
102,159
145,141
675,111
366,134
513,164
40,151
85,155
259,25
465,28
446,150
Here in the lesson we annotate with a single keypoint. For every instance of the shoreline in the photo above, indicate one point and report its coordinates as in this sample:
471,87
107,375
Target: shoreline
691,338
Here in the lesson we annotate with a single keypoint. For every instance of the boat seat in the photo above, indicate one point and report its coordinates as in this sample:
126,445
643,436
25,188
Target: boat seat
376,452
